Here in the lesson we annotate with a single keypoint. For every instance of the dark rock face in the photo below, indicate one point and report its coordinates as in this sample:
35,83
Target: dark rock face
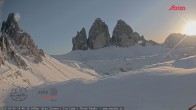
175,38
99,36
80,41
9,53
120,29
123,35
41,52
20,62
10,27
17,45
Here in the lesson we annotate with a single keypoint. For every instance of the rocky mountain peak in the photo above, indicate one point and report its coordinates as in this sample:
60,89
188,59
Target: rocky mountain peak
10,26
16,45
121,25
80,41
99,36
124,36
185,41
98,20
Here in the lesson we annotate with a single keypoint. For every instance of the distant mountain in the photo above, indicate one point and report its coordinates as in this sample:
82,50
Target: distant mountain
80,40
181,40
123,35
99,37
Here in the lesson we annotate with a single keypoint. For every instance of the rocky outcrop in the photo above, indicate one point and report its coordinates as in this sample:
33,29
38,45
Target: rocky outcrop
181,40
17,45
9,53
120,29
80,41
10,26
123,35
19,61
99,36
41,52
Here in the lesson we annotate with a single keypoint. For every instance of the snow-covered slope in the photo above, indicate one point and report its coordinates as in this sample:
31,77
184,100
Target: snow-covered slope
159,87
113,52
147,78
137,78
49,70
112,60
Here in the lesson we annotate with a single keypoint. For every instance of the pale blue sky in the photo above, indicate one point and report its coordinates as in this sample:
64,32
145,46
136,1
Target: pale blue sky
53,23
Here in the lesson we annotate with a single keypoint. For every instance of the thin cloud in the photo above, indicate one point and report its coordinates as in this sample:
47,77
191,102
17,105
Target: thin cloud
17,16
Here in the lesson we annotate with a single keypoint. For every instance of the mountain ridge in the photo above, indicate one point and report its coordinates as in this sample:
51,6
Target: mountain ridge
15,43
99,37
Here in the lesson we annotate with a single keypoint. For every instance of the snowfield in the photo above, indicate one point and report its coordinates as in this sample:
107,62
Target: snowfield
112,60
50,70
135,91
137,78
